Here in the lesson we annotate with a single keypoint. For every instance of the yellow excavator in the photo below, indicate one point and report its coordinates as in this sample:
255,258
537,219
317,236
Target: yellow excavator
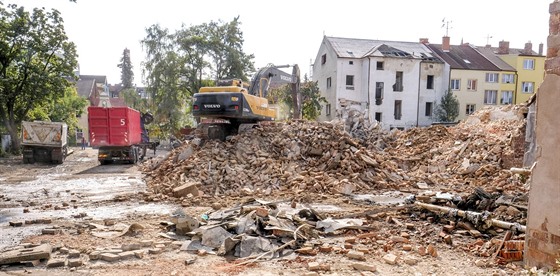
221,110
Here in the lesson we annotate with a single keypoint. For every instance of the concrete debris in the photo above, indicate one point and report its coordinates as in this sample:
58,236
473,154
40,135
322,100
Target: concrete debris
330,225
41,252
116,230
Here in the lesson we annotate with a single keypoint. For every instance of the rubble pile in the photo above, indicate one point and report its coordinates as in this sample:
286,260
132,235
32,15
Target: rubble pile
294,156
347,156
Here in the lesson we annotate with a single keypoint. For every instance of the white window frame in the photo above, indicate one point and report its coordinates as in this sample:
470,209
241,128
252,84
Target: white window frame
470,84
397,112
490,97
528,87
508,78
491,77
328,109
529,64
350,86
456,84
429,109
508,99
470,109
329,82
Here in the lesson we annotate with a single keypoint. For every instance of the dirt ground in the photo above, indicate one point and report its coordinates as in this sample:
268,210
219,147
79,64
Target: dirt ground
81,193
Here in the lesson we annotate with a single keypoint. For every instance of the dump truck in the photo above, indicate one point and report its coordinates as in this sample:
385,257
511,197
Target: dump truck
119,134
44,141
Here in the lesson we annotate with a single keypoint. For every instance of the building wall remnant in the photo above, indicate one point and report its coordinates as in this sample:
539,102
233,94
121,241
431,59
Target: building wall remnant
542,242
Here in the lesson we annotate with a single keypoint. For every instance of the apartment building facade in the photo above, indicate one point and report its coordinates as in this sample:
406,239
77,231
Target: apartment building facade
478,78
529,66
396,83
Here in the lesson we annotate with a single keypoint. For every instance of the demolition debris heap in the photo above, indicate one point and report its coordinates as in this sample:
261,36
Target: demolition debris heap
350,156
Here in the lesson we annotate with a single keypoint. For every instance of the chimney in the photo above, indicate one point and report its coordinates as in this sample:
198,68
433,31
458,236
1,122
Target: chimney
424,41
445,44
503,48
528,48
541,49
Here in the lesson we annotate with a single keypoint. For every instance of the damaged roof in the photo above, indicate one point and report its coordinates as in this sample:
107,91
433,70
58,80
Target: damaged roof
464,57
360,48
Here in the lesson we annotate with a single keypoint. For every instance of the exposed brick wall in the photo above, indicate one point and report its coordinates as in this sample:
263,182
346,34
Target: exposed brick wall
542,242
552,63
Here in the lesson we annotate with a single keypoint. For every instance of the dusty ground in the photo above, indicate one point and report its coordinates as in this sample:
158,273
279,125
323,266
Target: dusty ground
80,192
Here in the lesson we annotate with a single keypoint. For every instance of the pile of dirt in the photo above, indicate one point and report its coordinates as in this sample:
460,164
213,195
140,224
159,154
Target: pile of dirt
348,156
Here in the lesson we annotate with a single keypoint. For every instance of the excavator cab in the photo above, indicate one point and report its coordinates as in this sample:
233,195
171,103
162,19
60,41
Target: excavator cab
220,110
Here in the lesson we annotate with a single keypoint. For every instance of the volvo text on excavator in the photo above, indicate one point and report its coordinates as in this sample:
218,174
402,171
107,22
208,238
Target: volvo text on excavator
220,110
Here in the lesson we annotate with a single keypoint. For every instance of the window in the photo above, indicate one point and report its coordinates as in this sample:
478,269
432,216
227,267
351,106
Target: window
430,82
328,109
351,62
398,109
527,87
456,84
350,81
490,96
329,82
491,77
379,90
470,109
508,78
529,64
380,65
378,116
471,85
429,109
398,86
507,97
324,59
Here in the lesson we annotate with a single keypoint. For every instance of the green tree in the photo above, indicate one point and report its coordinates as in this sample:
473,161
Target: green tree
133,99
310,96
448,109
127,76
178,63
311,99
163,67
226,50
36,63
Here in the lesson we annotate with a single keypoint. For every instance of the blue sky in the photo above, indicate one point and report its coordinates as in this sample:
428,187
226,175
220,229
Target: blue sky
290,32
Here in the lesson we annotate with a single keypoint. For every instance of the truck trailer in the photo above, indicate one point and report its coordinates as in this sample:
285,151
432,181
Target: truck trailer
44,141
118,133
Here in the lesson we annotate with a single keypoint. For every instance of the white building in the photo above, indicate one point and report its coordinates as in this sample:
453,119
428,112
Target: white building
396,83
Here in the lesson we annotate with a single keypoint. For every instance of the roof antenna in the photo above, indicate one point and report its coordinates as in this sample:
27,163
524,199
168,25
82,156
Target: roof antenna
488,39
446,25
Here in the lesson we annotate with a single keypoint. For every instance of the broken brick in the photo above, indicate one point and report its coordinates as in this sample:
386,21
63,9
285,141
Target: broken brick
306,251
432,251
356,255
56,263
109,257
390,259
364,267
315,266
325,249
74,262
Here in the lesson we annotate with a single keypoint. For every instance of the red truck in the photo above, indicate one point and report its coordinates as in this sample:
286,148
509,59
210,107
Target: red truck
119,134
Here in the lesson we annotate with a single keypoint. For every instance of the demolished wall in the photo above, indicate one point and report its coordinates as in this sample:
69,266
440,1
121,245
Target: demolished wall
543,236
